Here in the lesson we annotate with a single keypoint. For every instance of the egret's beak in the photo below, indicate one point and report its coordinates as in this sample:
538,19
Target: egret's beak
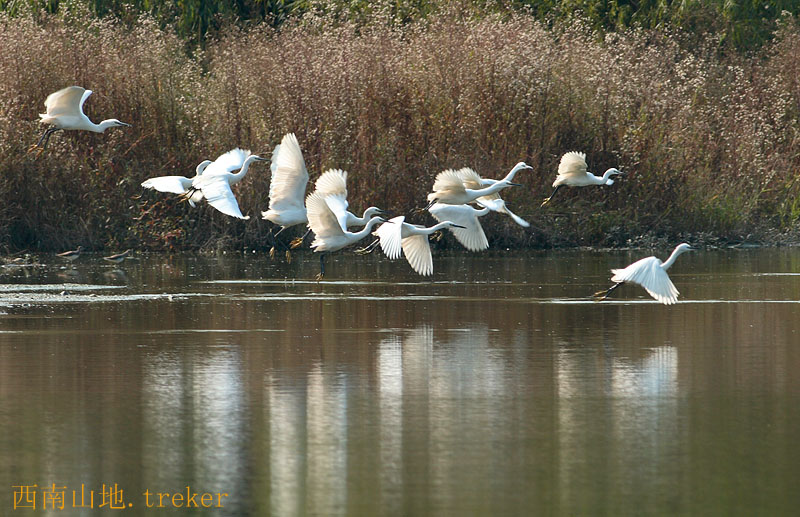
123,124
260,159
457,226
515,184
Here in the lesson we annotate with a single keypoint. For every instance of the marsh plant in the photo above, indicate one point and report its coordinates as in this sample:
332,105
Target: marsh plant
709,139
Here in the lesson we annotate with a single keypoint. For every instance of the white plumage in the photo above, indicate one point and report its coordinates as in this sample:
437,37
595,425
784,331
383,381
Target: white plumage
65,111
333,183
493,202
175,184
398,236
215,183
328,233
287,188
469,231
448,187
573,171
651,274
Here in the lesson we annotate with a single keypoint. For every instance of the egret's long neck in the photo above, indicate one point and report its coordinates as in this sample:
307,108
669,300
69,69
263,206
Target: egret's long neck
366,229
513,172
236,178
434,228
102,126
671,260
606,176
497,187
358,221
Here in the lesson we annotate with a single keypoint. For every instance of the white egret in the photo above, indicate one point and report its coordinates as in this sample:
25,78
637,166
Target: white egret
118,257
572,171
649,273
175,184
467,229
328,233
493,202
216,181
333,182
72,254
448,188
412,240
287,189
65,111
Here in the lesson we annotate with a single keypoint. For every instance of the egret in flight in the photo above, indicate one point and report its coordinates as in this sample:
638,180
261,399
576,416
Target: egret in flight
473,180
176,184
215,183
649,273
411,240
65,111
287,189
572,171
328,233
333,182
449,188
467,229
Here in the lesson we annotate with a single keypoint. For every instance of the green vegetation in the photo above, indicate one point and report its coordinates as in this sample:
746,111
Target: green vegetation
394,93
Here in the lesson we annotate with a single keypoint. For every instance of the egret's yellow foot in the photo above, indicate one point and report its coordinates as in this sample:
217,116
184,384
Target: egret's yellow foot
288,257
547,200
599,296
272,252
296,242
438,235
319,276
33,147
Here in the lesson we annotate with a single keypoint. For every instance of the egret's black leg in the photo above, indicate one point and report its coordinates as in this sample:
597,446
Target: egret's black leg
38,144
321,267
551,195
602,295
49,134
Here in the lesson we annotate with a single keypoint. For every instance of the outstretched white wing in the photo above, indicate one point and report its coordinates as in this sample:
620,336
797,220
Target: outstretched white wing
572,166
66,102
447,181
418,254
321,219
649,274
228,162
172,184
333,185
287,187
471,236
390,235
494,203
218,193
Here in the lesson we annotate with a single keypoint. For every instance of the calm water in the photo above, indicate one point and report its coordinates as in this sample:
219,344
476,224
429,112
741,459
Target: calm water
497,388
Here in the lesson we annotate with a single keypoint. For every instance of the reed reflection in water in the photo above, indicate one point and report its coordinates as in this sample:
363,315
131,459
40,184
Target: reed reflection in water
485,392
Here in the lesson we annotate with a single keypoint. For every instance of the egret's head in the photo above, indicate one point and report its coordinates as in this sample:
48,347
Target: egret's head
612,172
369,212
521,165
684,247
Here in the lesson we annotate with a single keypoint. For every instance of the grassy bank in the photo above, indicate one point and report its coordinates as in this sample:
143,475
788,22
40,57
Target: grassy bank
710,140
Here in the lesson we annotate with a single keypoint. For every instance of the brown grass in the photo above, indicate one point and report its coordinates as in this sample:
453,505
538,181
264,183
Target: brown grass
710,142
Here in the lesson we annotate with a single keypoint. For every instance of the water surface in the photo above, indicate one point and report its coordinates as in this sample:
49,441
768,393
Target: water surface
497,387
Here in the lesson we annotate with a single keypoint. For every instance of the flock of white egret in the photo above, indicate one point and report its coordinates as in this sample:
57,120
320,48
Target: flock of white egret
325,210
